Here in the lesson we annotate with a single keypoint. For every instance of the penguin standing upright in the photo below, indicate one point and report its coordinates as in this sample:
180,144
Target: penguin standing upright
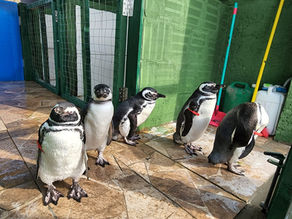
133,112
235,136
61,151
195,116
97,118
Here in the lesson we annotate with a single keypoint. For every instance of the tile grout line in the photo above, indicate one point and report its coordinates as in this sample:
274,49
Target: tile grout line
33,178
241,199
173,201
95,181
14,210
23,160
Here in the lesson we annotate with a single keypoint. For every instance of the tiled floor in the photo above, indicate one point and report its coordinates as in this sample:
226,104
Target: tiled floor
156,179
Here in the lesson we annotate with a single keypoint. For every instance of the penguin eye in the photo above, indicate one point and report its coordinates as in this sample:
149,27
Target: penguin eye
148,95
58,110
208,88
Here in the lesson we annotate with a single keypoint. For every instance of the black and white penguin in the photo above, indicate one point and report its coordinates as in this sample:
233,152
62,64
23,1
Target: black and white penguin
97,118
133,112
61,152
195,116
236,134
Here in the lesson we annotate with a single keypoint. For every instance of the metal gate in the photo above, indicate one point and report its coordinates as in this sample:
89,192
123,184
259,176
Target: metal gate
71,45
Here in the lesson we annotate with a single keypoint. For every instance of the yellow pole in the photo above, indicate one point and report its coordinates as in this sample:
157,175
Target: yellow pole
267,50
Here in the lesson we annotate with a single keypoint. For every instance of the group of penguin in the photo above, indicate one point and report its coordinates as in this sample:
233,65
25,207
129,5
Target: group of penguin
66,135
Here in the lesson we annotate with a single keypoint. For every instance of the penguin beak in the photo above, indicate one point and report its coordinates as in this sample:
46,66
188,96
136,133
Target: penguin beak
160,95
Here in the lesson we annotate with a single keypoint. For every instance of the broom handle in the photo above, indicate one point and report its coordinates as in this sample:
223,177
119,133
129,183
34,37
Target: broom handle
227,54
267,51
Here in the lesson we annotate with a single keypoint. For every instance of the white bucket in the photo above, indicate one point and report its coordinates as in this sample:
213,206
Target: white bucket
272,101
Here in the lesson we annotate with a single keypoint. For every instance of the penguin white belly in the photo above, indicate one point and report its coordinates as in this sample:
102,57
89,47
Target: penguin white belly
201,122
236,154
145,113
125,126
63,156
96,124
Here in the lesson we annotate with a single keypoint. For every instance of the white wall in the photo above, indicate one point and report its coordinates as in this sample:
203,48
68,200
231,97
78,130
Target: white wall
50,42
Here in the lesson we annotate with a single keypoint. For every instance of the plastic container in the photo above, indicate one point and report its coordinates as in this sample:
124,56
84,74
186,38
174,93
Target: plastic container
278,88
236,93
272,101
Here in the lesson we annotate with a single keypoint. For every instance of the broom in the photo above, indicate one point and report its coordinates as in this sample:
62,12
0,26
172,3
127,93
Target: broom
271,37
217,115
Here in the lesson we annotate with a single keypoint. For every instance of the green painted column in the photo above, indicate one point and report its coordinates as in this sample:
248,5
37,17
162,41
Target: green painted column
26,51
284,128
70,57
133,49
85,49
119,60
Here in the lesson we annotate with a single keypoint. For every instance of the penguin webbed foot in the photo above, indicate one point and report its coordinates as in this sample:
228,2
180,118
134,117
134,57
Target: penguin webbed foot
52,196
76,192
195,147
129,142
135,138
233,168
191,149
101,161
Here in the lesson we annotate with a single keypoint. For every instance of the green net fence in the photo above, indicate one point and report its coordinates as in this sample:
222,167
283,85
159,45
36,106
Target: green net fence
40,29
74,45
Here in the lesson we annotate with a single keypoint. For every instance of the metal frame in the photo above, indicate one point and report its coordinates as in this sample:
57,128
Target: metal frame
59,32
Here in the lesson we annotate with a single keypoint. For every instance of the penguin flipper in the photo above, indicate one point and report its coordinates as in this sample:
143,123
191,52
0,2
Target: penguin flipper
133,124
84,111
188,122
38,163
189,117
110,134
40,141
248,149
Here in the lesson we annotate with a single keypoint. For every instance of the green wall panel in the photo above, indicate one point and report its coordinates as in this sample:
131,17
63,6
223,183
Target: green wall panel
251,33
178,51
284,129
184,43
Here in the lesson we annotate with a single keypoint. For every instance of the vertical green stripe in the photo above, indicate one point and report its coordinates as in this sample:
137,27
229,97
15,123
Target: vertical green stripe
38,60
71,56
119,52
26,52
85,49
140,47
133,49
44,43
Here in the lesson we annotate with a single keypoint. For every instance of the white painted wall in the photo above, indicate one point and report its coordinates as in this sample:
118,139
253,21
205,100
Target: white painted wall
50,42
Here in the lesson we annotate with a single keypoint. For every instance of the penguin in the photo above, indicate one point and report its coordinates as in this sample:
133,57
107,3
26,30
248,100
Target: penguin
195,116
61,152
133,112
97,117
236,134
